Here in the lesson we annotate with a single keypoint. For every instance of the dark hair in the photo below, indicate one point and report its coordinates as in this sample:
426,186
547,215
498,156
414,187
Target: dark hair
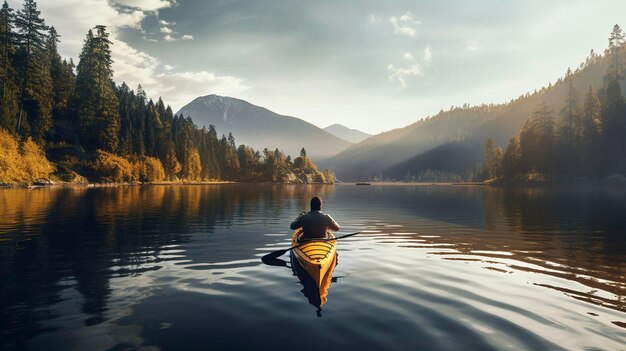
316,203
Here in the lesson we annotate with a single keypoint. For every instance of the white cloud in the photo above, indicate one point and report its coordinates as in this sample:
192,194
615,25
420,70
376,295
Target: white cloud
181,87
130,65
428,56
166,30
405,24
472,45
406,17
403,74
170,38
145,5
373,19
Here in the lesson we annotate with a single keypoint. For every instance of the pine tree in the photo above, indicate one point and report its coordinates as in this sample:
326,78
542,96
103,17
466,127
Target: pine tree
203,148
511,166
571,127
98,106
139,121
36,84
616,42
171,165
537,141
490,159
592,129
9,90
153,127
192,167
126,102
62,75
613,126
213,150
232,159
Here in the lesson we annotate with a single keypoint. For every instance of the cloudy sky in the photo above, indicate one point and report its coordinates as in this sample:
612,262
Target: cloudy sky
372,65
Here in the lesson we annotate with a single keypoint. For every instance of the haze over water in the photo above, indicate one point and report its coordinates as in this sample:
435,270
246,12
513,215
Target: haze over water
436,267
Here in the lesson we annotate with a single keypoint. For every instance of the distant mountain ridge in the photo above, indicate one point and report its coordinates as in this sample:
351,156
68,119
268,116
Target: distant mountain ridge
261,128
395,153
352,135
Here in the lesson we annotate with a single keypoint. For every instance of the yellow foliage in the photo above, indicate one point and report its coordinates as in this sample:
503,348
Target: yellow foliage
10,172
23,163
34,160
319,177
149,169
172,166
329,176
193,168
113,168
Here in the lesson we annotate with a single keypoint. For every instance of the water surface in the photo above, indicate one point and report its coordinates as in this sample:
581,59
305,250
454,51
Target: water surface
436,267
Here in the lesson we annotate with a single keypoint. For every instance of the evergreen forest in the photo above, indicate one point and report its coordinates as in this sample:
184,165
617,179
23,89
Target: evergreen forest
585,138
71,122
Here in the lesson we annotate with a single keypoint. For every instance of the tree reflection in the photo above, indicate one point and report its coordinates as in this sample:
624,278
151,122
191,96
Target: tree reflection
80,238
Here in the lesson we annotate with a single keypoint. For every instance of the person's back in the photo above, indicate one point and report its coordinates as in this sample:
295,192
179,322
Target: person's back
315,223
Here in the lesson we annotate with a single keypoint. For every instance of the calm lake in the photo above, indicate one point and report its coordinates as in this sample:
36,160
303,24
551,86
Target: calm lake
436,267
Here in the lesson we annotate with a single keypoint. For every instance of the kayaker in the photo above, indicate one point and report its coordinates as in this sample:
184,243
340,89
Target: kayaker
314,223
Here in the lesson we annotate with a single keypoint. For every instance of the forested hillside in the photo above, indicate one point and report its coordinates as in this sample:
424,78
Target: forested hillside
88,126
585,137
397,154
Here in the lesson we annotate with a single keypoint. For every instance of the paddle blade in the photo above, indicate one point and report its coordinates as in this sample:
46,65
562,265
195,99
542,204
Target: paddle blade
273,261
273,255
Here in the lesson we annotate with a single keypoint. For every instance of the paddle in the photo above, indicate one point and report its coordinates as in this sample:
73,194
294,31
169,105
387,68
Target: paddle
275,254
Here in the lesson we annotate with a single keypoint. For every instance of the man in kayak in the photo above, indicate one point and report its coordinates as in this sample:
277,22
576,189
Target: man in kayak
314,223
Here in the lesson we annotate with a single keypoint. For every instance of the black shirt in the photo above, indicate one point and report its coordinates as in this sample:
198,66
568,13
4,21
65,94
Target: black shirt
314,224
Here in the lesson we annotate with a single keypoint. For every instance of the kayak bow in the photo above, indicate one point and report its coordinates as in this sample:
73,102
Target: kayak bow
316,257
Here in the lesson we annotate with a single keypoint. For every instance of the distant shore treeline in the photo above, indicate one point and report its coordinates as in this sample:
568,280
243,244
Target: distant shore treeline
586,139
75,122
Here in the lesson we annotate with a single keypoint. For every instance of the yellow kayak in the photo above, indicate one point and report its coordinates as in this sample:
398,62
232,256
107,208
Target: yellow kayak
317,257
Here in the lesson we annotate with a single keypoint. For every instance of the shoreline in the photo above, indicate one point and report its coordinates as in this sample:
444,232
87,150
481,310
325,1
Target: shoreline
608,182
59,184
615,182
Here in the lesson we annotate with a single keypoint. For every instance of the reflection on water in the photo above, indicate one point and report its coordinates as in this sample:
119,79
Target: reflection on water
317,296
178,267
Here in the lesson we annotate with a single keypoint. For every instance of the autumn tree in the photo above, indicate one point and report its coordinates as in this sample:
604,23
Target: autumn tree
192,168
171,165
